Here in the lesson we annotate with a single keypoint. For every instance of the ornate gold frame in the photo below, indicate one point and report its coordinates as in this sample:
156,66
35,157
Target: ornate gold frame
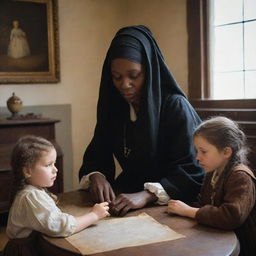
52,72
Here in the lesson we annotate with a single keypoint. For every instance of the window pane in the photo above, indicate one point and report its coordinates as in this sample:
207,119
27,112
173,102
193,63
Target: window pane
249,9
250,84
228,48
250,45
228,86
225,12
233,49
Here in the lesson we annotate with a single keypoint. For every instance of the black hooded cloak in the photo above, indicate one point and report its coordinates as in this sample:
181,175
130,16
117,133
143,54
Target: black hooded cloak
160,141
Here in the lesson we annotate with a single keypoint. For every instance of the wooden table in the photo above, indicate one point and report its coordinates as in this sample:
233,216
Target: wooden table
200,240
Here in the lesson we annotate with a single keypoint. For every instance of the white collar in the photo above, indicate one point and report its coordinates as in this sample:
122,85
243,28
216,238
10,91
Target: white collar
133,115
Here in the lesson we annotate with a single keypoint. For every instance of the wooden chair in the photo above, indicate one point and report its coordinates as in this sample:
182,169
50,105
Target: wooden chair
3,238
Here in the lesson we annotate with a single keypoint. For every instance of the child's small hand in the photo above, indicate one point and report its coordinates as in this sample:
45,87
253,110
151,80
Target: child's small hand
101,210
180,208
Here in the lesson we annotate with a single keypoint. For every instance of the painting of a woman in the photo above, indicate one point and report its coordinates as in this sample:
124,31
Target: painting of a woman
29,41
18,45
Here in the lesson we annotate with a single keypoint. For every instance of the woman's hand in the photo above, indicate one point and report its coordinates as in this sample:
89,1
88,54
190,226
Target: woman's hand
125,202
100,189
180,208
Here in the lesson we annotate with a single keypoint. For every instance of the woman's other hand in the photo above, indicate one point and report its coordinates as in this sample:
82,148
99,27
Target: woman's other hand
100,189
125,202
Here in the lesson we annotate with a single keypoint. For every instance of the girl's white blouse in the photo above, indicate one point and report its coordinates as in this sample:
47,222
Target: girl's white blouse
34,209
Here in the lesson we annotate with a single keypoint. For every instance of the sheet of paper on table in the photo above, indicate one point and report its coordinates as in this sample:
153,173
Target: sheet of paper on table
115,233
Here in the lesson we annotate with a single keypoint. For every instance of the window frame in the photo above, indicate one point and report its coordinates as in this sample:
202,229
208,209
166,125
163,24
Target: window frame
199,76
241,110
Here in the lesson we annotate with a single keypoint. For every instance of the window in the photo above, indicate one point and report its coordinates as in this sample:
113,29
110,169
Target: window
232,49
200,75
221,49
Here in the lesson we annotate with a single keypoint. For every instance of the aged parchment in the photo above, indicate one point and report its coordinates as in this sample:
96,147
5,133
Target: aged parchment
114,233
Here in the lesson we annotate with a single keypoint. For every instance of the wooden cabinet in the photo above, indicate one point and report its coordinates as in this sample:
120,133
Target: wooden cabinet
10,132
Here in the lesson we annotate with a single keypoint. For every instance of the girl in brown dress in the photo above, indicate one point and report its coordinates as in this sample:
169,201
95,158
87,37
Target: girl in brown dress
227,197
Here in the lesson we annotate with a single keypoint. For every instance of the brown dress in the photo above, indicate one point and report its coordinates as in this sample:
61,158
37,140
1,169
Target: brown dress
230,204
23,246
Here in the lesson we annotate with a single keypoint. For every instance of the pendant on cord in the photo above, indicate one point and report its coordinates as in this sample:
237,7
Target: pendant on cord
127,152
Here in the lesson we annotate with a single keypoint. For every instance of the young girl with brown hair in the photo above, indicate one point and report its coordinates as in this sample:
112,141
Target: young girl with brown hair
33,207
228,192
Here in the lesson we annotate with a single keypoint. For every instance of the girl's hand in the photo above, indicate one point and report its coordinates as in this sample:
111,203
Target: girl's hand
180,208
98,212
101,210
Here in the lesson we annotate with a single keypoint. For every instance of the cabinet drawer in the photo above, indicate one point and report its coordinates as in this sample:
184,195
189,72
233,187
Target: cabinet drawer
5,189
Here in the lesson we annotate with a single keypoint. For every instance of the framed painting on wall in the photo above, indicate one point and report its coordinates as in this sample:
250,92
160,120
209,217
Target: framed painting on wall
29,44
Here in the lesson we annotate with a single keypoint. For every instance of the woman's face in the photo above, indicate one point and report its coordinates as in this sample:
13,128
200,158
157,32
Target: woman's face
128,77
15,23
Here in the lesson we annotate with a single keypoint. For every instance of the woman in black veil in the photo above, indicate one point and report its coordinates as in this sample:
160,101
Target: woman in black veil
146,122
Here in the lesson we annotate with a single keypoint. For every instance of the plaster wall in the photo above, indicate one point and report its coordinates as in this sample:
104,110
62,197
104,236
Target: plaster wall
86,28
